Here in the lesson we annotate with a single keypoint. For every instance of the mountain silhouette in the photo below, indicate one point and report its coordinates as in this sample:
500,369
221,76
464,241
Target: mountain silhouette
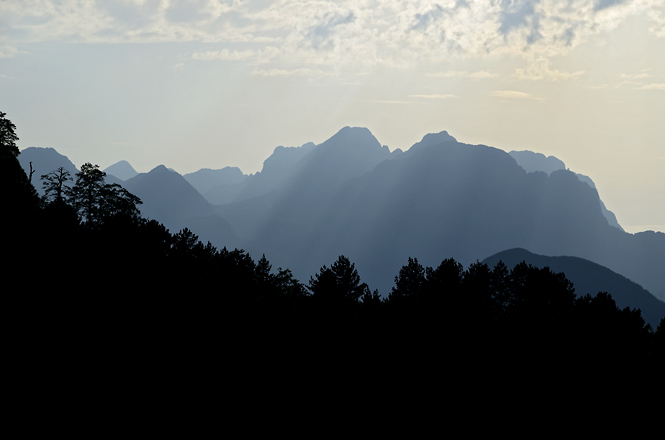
206,179
437,200
122,170
590,278
168,198
44,161
532,162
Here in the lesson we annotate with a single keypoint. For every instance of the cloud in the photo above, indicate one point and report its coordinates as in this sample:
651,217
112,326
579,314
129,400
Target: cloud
633,76
604,4
352,33
8,51
433,96
659,86
392,102
540,70
223,54
482,74
512,94
286,72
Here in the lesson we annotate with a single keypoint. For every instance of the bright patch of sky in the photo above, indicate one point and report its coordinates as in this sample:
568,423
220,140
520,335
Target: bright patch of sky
203,83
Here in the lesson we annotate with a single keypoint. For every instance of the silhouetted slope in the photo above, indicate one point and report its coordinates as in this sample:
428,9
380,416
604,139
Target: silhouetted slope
206,179
457,200
167,196
609,215
434,201
278,170
296,184
590,278
532,162
311,168
44,161
122,170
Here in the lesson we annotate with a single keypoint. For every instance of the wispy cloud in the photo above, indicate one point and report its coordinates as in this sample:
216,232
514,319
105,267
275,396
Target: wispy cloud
223,54
8,51
540,70
433,96
659,86
483,74
287,72
633,76
512,94
380,101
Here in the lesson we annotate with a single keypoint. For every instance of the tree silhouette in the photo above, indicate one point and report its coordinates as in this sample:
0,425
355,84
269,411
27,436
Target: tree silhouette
96,201
410,282
87,192
18,195
8,136
55,185
339,283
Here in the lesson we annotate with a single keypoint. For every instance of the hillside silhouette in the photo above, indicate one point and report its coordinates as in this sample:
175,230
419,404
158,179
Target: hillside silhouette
440,198
111,307
122,170
533,162
590,278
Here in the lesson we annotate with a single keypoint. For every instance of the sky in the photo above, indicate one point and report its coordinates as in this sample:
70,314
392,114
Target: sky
209,83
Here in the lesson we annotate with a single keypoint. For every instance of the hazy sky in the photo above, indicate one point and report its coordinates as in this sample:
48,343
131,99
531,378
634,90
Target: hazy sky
207,84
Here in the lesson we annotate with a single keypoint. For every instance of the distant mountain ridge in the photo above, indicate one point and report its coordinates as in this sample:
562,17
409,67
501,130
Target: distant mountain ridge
533,162
439,199
44,161
122,170
590,278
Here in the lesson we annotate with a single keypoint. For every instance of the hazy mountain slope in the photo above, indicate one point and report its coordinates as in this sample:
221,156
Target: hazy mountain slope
609,215
349,153
278,170
296,184
44,161
205,179
434,201
122,170
168,198
591,278
533,162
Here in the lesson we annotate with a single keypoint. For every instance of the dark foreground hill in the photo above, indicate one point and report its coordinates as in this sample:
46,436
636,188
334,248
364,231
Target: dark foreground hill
590,278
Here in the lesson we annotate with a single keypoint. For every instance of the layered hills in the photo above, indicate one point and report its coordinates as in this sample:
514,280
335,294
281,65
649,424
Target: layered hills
589,278
439,199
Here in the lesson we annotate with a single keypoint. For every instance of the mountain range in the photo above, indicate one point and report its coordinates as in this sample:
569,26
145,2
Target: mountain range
439,199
